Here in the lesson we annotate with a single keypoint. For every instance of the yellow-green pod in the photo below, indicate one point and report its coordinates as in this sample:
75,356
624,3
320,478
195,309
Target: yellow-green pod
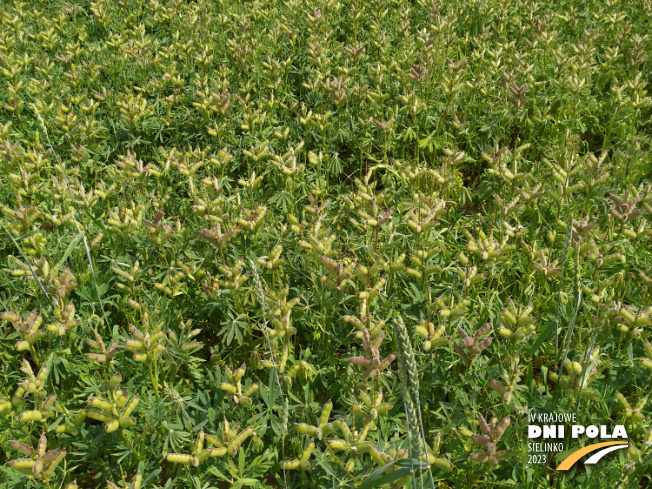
194,461
304,465
31,416
226,387
112,426
237,441
178,458
115,380
62,429
213,440
98,402
244,401
157,337
337,445
80,417
200,442
290,464
306,453
53,465
24,465
98,415
421,331
637,417
384,408
217,452
134,345
137,480
505,332
239,373
22,346
131,406
305,429
251,389
37,468
122,399
42,375
47,405
140,357
325,413
127,422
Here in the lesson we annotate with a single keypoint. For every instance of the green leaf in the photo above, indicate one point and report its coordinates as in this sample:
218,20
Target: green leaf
543,337
377,479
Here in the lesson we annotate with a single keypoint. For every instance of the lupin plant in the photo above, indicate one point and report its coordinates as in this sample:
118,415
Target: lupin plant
34,384
114,410
492,432
234,386
452,163
474,345
29,328
576,380
633,414
516,322
41,463
511,376
199,453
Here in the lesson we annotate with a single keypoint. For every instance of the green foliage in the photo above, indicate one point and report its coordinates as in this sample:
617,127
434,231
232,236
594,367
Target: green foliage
320,243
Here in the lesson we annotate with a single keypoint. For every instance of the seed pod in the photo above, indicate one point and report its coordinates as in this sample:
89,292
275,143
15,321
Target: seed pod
112,426
306,453
53,465
337,445
325,413
23,448
305,429
98,415
178,458
440,463
79,419
30,416
213,440
200,442
237,441
98,402
127,422
47,405
217,452
137,480
131,406
226,387
290,464
23,465
122,398
115,380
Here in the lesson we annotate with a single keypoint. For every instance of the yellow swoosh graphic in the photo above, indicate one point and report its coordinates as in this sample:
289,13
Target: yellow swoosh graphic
575,456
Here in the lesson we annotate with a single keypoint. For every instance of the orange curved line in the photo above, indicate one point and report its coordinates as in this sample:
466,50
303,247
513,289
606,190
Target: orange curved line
578,454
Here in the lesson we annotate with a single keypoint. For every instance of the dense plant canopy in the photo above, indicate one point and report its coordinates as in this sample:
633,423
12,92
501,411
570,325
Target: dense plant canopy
322,243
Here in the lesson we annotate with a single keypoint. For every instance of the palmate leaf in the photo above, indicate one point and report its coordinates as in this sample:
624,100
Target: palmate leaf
234,327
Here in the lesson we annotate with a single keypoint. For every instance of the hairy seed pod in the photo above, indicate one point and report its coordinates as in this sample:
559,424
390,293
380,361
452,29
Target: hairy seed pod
337,445
100,403
31,416
325,413
178,458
